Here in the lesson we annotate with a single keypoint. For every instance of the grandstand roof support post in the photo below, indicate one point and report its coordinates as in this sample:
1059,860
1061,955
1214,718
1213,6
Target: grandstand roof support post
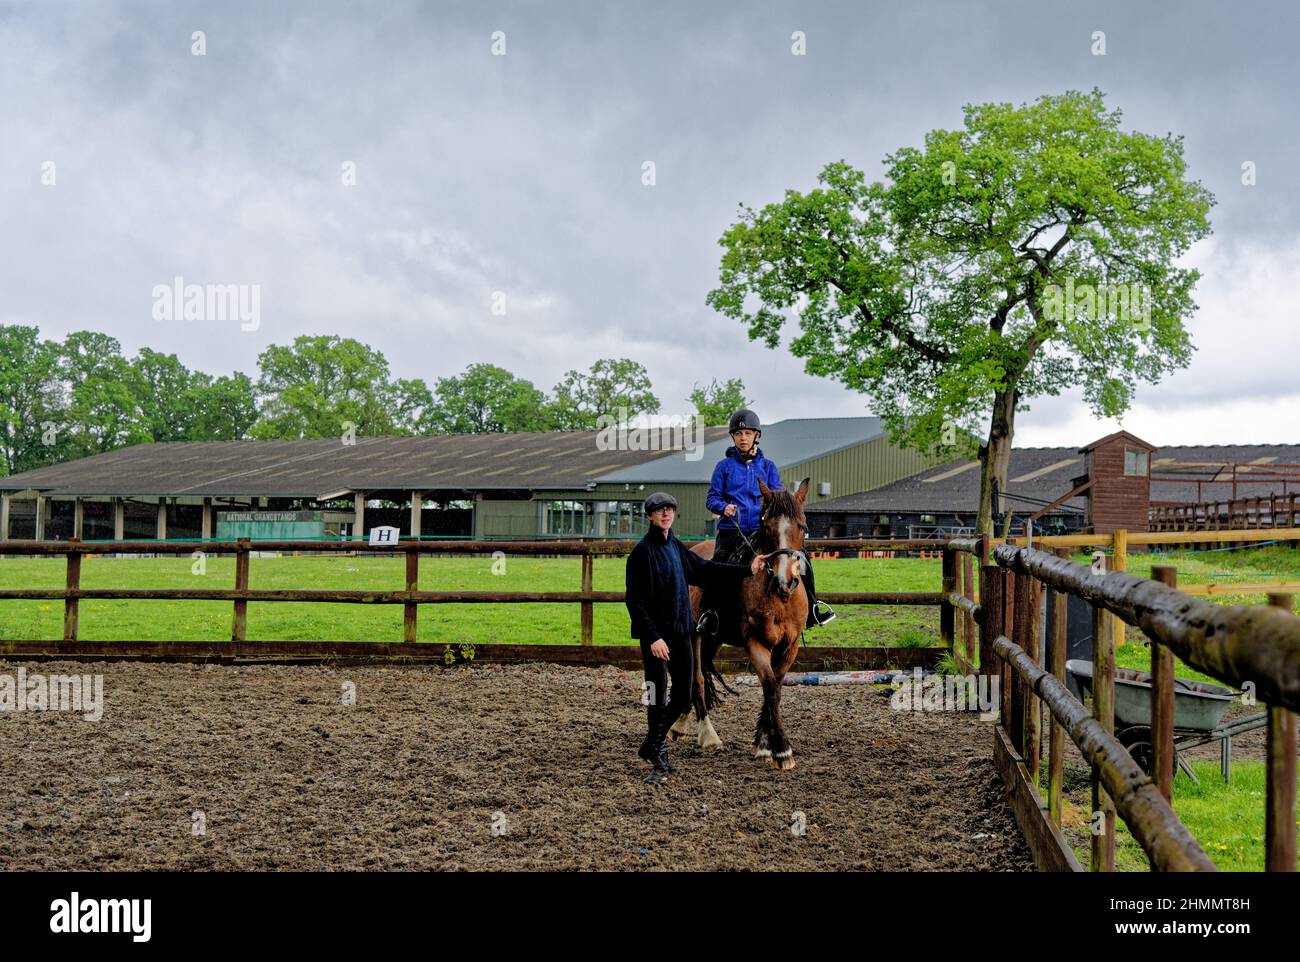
40,517
205,532
359,515
119,519
161,530
417,503
78,517
4,516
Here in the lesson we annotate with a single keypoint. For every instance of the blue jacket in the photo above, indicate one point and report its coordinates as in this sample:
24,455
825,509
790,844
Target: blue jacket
736,482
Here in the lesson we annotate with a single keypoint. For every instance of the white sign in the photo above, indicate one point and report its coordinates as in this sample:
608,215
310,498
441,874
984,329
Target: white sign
384,534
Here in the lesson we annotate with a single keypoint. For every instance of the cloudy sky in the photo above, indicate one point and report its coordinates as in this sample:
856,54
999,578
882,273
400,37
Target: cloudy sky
522,174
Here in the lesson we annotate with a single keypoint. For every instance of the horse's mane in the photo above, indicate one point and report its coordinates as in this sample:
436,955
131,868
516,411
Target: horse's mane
783,504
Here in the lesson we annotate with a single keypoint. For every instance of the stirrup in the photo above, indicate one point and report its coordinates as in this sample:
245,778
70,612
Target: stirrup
823,619
708,623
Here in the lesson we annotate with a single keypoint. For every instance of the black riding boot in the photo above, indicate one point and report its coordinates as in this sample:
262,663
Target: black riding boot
659,751
650,744
819,612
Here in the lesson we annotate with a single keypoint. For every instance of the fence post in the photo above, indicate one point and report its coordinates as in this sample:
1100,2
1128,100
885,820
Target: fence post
991,622
588,619
1033,710
239,625
1162,699
968,592
1008,628
1103,710
1056,741
1020,627
1280,814
948,562
1119,562
73,583
410,609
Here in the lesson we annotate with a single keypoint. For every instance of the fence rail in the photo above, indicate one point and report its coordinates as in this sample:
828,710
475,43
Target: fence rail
410,596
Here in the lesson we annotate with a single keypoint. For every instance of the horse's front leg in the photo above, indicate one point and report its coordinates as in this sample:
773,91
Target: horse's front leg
708,736
761,660
782,659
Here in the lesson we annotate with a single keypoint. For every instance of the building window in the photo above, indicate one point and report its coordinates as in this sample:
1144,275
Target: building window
927,519
1135,463
568,517
593,519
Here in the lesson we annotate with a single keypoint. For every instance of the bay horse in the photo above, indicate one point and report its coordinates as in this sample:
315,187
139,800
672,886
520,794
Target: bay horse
773,612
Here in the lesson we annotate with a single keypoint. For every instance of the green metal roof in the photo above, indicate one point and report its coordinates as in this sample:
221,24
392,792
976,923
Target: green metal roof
787,443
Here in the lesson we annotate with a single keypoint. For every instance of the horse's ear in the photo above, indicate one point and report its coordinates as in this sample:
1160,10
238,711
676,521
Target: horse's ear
802,493
764,490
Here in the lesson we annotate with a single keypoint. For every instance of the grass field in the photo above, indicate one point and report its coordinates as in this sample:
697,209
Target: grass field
483,623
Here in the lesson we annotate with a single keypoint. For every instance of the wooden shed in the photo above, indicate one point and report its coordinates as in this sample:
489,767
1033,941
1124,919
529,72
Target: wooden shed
1119,469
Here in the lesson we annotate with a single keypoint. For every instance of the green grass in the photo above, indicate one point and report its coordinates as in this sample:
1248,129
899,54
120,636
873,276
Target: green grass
1226,818
472,623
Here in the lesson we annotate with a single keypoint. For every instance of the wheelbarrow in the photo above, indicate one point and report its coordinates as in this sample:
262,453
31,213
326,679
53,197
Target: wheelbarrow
1198,716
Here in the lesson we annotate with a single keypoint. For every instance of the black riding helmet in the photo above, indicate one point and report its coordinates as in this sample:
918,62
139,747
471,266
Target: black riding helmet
660,499
744,418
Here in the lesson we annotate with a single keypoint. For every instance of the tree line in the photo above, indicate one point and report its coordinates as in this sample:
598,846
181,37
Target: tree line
81,396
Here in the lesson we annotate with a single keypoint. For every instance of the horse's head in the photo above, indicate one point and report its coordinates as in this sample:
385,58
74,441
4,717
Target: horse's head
781,531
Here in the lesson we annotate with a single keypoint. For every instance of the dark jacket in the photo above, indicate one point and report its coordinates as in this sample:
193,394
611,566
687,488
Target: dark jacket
658,572
735,481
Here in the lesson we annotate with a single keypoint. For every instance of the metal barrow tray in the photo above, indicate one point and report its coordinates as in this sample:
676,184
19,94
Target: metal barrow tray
1197,706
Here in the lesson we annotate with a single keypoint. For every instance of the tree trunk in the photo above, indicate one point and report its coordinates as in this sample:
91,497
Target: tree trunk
995,458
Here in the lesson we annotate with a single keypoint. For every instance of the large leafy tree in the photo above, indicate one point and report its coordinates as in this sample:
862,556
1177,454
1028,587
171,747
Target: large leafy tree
486,398
320,385
717,402
31,400
166,393
939,291
103,413
613,387
225,408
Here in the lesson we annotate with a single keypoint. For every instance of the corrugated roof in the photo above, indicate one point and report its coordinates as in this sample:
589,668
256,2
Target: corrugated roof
1037,476
307,468
786,443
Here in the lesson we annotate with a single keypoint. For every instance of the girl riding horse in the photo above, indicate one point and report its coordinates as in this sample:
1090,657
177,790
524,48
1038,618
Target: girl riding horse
734,496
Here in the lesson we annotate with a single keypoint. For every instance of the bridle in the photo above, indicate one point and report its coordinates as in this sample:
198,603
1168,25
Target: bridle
793,553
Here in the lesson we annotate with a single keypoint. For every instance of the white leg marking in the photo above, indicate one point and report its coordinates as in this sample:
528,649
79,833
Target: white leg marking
708,736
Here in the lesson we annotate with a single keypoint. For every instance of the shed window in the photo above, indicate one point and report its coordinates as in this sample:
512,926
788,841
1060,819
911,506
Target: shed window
1135,463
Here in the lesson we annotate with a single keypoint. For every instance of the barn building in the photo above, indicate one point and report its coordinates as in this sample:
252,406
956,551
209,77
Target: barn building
521,485
1114,482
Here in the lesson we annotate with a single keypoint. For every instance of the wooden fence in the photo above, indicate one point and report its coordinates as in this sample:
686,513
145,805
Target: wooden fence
412,598
1259,645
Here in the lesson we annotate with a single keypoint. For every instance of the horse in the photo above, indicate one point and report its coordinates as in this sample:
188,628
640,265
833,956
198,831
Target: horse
774,610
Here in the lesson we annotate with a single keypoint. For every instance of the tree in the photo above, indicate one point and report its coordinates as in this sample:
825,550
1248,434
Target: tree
165,392
614,386
974,278
225,408
717,402
322,384
486,398
31,400
102,411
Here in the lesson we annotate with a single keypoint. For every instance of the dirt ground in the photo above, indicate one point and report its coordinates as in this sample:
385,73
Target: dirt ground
521,767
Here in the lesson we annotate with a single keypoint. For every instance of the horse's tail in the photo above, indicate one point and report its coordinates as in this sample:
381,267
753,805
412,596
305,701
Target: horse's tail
711,674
